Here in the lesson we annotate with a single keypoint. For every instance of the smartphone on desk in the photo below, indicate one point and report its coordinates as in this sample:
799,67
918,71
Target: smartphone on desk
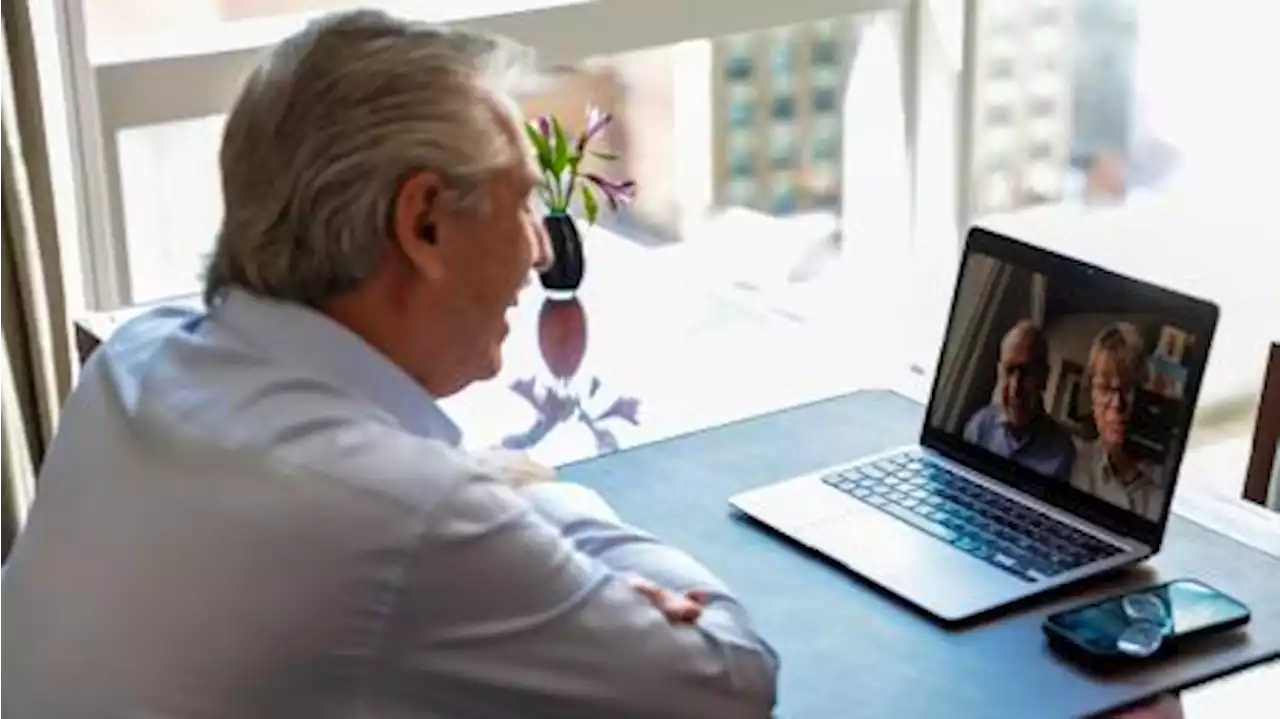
1143,625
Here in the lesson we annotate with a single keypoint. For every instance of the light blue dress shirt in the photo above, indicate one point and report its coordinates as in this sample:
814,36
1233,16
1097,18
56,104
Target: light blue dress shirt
252,513
1047,447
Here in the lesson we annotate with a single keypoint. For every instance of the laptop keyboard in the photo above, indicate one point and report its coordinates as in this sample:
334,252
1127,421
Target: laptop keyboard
1006,534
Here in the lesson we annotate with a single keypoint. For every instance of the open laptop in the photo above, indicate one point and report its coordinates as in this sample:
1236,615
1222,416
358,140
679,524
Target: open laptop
1051,444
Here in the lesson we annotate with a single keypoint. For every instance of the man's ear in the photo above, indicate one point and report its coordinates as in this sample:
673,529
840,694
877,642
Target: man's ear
415,219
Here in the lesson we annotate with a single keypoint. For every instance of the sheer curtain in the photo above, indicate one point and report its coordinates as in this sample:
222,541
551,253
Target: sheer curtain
36,368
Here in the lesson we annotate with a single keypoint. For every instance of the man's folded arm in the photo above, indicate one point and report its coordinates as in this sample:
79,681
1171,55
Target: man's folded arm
504,605
583,517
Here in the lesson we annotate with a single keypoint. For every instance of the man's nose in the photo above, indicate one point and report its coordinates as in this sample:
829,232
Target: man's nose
543,254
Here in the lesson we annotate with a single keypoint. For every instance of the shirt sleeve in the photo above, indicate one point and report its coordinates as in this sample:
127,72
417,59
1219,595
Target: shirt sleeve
973,428
591,525
525,608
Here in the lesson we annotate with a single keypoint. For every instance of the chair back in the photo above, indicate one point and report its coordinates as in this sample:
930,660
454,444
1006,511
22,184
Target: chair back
1262,483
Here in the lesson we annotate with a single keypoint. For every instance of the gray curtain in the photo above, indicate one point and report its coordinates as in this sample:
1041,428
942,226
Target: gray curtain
36,371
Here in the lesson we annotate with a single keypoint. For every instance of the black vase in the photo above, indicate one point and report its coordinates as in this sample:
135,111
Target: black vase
565,272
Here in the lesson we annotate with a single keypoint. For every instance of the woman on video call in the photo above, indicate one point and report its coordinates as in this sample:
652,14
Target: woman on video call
1104,467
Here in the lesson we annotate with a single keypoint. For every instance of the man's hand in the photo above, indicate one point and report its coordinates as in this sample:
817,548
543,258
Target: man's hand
678,609
514,468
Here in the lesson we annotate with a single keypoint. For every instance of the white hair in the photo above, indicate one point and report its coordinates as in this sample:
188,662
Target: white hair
327,128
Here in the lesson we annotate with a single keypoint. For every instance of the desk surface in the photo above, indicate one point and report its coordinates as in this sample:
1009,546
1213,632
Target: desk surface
848,649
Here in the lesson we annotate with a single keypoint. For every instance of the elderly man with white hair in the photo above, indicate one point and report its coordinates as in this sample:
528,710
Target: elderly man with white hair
260,510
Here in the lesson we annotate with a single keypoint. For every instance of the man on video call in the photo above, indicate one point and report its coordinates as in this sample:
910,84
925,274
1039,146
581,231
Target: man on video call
1016,425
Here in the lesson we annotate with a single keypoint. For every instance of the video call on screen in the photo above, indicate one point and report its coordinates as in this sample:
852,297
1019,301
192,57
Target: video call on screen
1066,379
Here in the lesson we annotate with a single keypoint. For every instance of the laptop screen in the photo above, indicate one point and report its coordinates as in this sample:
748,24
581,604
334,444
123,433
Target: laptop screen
1071,376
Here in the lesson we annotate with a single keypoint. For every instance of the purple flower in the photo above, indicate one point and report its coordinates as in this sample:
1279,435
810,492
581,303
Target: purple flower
616,193
543,123
597,120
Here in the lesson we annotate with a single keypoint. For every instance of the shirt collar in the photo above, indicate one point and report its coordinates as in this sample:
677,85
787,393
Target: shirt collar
1034,429
301,335
1103,470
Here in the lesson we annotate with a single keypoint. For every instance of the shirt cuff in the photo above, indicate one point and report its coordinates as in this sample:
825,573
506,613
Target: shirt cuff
563,503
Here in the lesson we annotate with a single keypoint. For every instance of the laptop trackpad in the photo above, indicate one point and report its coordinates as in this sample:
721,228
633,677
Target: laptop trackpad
899,557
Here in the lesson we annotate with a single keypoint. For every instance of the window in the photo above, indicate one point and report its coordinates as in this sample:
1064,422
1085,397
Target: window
824,100
741,192
783,152
826,148
1043,107
1050,63
739,58
826,44
1002,69
999,115
742,162
784,197
742,114
826,52
738,68
996,162
782,54
784,108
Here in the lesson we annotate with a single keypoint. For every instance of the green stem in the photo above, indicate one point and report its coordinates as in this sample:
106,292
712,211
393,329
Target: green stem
568,195
553,186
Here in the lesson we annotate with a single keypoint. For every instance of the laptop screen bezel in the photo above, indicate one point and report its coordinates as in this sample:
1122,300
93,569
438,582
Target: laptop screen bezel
1197,316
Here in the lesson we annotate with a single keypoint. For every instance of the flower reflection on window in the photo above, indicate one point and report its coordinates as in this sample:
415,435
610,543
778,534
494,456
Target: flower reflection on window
557,403
562,339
